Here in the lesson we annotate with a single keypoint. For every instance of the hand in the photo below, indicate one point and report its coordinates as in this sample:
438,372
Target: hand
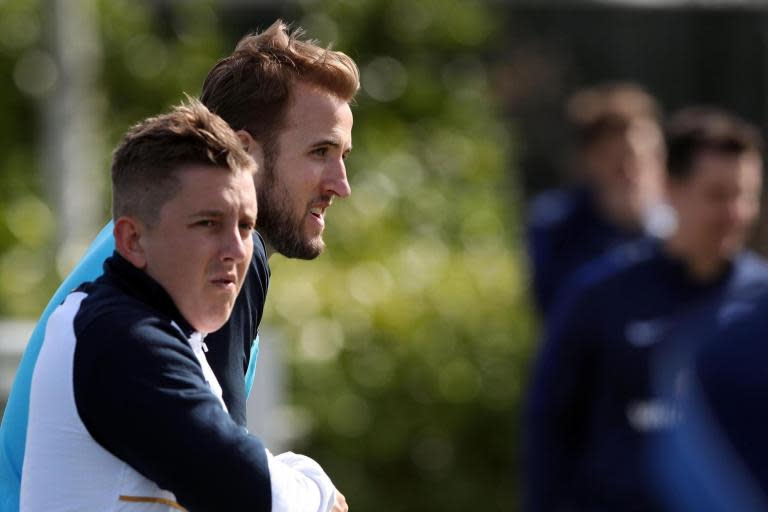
340,505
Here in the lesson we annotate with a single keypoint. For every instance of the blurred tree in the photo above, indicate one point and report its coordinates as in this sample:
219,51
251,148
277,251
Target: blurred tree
26,222
149,53
408,338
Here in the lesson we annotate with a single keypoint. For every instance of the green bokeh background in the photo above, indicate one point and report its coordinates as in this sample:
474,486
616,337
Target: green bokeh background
408,340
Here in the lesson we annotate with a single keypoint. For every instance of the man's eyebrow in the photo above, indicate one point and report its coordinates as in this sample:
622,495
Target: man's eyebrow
330,142
207,213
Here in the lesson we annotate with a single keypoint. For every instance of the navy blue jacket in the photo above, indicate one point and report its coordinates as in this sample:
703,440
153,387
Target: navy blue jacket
593,406
722,432
141,394
565,231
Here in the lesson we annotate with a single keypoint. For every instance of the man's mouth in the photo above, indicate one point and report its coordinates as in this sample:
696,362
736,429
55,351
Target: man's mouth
318,212
225,281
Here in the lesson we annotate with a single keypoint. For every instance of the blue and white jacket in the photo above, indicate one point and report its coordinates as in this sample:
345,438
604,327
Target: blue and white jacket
233,352
124,412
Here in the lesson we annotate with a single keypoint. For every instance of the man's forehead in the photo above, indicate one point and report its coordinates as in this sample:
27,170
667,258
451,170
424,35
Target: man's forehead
713,169
215,180
309,101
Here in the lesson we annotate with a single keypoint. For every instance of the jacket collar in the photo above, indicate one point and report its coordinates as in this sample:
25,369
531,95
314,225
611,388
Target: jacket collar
137,283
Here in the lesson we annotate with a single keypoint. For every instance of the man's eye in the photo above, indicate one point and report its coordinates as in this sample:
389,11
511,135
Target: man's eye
247,226
207,223
320,151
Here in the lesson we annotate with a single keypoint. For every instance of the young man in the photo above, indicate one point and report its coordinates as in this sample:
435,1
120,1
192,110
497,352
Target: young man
288,99
124,408
593,408
620,155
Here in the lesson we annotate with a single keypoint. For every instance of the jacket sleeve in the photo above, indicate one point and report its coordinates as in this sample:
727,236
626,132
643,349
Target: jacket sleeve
141,393
557,406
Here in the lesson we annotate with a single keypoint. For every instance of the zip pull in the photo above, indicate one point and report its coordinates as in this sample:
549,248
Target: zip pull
205,347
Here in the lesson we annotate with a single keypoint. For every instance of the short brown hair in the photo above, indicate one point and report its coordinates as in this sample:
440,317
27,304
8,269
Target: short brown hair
146,163
694,130
609,108
251,88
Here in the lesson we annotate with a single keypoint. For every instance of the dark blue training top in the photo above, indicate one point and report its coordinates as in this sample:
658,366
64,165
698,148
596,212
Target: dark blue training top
593,406
141,393
565,231
723,429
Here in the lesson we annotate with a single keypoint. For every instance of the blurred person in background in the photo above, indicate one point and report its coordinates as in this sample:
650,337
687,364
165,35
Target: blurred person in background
619,167
593,410
288,99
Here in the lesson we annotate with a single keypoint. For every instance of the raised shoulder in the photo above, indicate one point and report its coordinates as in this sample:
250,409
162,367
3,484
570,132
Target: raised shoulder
551,208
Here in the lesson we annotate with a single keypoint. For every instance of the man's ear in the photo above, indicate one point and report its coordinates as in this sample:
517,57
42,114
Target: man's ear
129,237
251,146
245,138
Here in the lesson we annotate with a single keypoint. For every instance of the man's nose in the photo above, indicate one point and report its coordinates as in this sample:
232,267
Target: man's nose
235,246
335,181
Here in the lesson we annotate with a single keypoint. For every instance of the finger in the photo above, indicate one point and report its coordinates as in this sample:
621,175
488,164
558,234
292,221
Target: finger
341,502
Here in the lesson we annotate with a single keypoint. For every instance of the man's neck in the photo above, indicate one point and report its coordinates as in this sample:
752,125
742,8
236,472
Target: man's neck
620,215
701,267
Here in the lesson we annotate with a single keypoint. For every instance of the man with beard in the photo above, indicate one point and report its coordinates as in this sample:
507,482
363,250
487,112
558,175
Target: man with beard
288,100
594,410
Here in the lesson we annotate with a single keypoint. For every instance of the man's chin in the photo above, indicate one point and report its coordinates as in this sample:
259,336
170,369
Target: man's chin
310,251
730,248
212,323
304,250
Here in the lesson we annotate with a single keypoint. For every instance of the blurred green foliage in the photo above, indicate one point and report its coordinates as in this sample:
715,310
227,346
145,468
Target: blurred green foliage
25,220
149,56
408,339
